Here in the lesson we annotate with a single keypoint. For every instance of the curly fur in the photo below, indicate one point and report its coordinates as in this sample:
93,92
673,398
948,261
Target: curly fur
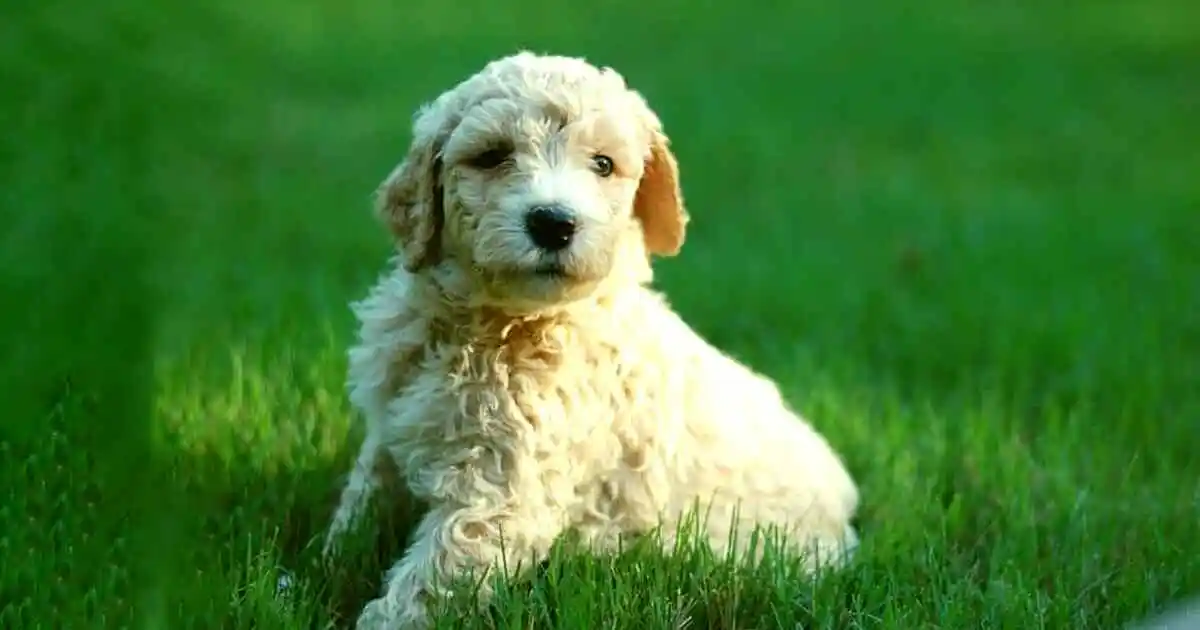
522,404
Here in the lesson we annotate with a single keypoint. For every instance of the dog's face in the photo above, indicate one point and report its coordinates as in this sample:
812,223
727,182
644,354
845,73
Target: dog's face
532,181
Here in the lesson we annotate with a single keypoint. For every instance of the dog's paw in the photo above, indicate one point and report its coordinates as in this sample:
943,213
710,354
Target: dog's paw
335,538
381,614
374,617
831,553
332,547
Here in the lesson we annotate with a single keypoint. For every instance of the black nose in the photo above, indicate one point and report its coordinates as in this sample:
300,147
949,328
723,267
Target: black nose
551,227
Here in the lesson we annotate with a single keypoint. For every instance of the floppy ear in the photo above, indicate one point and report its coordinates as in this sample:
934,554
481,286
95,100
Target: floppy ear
659,201
409,201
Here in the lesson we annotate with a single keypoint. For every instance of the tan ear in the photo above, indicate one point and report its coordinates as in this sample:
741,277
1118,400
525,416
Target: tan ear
659,200
409,202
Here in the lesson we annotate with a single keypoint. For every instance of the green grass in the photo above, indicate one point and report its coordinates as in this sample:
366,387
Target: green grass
965,238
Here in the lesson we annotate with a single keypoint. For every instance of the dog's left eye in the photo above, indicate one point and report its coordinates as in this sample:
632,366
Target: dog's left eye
491,158
603,165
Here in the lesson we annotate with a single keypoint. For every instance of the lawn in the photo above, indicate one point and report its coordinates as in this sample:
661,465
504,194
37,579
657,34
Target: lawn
964,237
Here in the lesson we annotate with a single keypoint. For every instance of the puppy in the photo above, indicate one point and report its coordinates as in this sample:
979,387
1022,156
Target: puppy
516,367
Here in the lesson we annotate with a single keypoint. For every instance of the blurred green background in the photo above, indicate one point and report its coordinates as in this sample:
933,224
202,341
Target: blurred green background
965,237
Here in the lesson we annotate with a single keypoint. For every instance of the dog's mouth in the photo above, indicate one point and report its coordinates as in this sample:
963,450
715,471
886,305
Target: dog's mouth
543,270
553,270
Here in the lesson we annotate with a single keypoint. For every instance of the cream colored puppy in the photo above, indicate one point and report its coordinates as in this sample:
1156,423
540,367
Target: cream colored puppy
516,366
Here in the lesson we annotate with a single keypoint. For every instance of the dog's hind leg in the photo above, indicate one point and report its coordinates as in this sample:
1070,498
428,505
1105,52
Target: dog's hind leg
363,483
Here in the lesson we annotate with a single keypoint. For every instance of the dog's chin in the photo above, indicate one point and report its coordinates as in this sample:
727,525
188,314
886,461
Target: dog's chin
551,271
541,285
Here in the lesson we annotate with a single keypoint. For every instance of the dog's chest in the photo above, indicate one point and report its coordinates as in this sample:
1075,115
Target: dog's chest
508,414
544,391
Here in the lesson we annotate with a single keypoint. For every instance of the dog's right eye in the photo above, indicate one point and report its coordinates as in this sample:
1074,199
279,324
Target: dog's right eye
491,158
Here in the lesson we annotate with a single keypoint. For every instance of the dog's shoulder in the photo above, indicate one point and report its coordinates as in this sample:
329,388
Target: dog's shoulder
393,329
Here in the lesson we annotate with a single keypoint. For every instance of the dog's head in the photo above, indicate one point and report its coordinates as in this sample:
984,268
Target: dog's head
535,181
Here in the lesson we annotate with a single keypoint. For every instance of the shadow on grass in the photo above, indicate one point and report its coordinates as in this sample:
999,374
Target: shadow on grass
78,326
84,231
246,530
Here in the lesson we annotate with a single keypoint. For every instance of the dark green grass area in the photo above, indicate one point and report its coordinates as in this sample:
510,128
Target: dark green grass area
964,237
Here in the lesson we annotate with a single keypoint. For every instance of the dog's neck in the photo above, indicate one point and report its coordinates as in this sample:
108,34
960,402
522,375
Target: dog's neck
454,309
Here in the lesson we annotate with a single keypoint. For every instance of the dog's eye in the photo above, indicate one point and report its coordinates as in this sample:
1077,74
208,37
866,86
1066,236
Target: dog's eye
491,158
603,165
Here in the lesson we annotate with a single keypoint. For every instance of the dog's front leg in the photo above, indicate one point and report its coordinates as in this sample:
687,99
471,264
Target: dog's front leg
362,484
463,541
